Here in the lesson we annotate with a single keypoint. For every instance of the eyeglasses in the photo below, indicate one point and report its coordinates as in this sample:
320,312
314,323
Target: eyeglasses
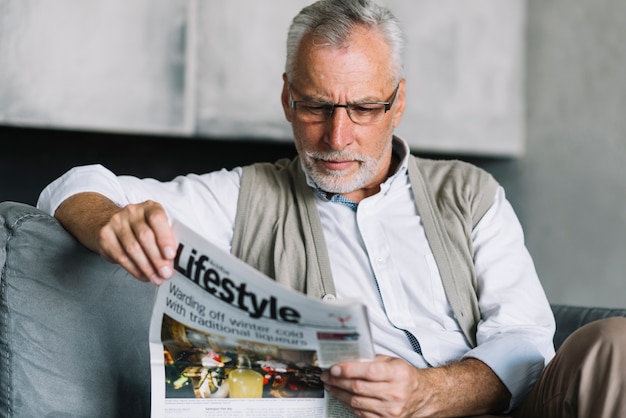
365,113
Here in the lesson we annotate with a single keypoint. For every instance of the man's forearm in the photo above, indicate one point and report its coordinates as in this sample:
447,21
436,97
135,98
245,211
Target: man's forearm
468,387
84,214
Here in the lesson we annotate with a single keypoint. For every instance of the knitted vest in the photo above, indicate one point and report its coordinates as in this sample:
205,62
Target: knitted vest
278,228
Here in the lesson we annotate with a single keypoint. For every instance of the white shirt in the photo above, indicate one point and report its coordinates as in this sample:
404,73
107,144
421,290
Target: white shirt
380,255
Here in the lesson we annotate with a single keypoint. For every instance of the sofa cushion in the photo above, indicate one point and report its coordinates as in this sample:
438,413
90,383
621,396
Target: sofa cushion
73,327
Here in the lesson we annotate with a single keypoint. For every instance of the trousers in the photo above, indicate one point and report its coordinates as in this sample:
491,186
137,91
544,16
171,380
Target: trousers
585,379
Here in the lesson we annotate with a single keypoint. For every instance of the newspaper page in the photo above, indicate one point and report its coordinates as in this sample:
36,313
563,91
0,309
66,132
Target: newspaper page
228,341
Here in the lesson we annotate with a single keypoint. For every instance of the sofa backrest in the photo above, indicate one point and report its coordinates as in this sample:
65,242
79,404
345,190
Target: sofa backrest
73,327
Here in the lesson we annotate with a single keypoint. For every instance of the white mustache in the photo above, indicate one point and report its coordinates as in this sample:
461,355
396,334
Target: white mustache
335,156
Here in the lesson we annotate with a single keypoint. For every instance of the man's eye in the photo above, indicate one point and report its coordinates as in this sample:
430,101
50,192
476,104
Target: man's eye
365,109
316,108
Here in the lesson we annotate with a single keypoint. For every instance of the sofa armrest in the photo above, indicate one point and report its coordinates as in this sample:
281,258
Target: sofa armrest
570,318
73,327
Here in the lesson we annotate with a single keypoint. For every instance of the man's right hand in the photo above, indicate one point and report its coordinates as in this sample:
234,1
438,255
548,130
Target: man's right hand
139,236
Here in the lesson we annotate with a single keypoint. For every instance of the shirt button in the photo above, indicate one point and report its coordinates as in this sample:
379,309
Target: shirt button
329,296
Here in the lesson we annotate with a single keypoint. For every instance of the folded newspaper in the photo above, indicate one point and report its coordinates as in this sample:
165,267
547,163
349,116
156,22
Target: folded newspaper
228,341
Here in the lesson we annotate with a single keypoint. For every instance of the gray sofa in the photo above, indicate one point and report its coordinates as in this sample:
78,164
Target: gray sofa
74,328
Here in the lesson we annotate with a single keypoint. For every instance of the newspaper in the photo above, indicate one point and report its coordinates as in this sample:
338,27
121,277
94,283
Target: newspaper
228,341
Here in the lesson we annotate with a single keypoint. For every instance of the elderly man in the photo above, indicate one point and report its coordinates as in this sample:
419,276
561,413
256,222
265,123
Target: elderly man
460,322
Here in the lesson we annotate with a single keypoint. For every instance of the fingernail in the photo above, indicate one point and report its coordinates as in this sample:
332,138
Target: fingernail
165,272
169,252
156,279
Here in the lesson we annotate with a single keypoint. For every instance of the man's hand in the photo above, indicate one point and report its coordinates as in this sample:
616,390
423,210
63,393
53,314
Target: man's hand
391,387
137,236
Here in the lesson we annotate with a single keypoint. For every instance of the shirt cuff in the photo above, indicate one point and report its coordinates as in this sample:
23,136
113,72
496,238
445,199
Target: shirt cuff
515,361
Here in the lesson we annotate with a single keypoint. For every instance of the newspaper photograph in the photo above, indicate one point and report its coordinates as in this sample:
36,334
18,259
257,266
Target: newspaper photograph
228,341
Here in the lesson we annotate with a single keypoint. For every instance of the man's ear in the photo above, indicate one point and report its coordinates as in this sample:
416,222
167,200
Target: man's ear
284,98
399,104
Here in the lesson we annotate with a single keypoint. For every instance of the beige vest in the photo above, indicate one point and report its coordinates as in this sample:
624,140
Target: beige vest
278,228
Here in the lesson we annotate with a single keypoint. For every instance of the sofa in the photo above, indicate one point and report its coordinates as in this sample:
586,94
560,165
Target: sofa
74,327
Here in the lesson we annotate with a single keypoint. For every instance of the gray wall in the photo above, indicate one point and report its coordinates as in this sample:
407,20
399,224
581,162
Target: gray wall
213,69
570,188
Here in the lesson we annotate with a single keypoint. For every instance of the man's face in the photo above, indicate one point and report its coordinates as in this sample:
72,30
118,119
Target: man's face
340,155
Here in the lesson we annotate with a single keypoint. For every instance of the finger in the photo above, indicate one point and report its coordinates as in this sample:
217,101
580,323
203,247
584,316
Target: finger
111,250
148,255
372,379
164,238
361,406
130,242
385,386
134,226
164,234
140,251
357,387
371,405
375,370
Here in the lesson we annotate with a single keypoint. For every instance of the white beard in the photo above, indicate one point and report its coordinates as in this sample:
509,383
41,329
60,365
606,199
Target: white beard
337,181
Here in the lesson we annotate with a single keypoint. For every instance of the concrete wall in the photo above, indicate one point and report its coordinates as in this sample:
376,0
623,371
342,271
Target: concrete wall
570,188
213,69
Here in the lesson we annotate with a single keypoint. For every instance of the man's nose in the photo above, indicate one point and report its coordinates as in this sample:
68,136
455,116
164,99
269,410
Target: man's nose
340,128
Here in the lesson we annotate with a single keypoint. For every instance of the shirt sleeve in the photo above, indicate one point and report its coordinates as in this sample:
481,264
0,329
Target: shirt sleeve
207,203
515,334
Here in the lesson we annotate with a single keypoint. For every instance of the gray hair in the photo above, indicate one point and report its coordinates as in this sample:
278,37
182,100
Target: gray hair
334,20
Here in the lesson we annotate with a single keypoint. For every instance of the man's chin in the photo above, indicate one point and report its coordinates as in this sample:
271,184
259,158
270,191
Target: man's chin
335,184
335,181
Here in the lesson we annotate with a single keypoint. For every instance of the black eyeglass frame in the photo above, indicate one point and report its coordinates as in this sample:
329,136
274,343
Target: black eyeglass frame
347,106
